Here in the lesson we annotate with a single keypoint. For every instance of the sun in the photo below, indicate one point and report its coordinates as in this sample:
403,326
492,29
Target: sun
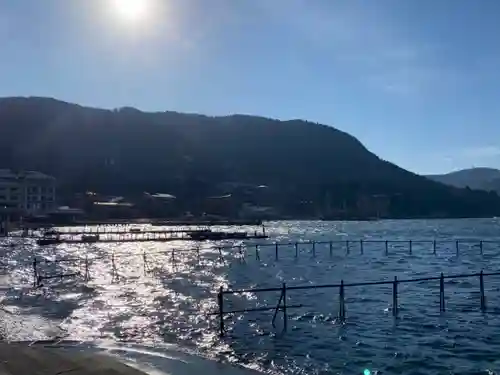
131,10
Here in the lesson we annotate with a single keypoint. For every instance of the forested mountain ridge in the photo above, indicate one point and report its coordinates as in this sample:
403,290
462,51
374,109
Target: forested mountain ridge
474,178
309,168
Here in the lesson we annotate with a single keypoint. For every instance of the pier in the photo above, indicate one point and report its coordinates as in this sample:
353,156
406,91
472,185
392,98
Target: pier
233,222
105,229
118,230
76,237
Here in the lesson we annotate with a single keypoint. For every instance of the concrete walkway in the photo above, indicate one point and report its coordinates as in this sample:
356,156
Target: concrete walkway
21,359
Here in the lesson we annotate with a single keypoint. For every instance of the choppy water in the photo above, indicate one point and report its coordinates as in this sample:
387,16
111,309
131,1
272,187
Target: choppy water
172,301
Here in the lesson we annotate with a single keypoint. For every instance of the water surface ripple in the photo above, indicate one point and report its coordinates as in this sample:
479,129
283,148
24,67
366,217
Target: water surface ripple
171,298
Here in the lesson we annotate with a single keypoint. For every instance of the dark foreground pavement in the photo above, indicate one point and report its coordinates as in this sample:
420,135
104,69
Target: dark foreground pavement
22,359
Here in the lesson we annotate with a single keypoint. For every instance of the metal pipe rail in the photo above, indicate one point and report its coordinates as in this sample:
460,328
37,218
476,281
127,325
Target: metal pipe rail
282,302
276,246
348,244
313,244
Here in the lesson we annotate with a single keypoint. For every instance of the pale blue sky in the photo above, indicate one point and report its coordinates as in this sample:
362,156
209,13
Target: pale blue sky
417,81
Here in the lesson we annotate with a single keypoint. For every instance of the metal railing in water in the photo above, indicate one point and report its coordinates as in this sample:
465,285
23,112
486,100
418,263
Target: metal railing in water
243,251
283,306
315,248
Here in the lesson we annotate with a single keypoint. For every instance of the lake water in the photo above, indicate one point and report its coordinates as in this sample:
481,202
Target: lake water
171,302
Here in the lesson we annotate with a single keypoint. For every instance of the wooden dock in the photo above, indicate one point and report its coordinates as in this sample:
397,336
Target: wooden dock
149,236
121,230
143,239
23,359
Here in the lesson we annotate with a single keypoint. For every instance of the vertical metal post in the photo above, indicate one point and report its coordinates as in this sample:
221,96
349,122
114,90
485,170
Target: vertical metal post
314,248
457,247
87,271
173,256
481,287
276,251
341,302
395,296
240,251
221,257
411,247
347,248
361,247
331,248
441,294
481,247
220,298
285,314
35,272
113,266
257,255
296,249
434,247
386,247
145,262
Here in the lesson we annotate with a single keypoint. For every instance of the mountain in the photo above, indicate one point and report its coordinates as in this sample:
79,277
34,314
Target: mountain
307,168
474,178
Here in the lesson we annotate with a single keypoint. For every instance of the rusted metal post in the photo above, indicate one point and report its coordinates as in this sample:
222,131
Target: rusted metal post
341,302
347,248
481,247
257,255
361,247
35,272
296,249
395,296
285,314
441,294
411,247
331,248
276,256
314,248
481,287
457,247
434,247
386,247
220,298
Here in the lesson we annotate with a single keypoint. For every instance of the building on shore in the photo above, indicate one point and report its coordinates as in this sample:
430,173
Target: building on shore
27,192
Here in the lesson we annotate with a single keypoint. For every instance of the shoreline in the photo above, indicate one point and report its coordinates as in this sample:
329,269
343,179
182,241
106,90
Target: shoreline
80,358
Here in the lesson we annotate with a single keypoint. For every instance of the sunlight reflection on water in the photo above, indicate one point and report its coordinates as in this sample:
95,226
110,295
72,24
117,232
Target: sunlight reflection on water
169,297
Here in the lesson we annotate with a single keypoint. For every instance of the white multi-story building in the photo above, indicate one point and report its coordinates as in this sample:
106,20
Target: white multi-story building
29,192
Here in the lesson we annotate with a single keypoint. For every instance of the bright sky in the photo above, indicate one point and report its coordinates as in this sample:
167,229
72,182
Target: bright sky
417,81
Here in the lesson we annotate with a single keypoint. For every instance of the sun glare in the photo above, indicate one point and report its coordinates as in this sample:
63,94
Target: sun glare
131,10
